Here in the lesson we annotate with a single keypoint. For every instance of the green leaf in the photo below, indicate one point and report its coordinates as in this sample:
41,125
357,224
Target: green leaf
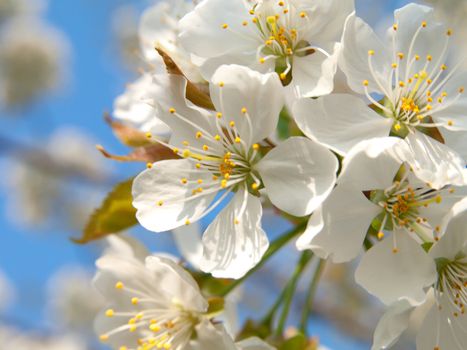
116,214
297,342
216,305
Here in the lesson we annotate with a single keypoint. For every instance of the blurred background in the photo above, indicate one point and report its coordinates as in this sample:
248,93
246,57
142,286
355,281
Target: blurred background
62,64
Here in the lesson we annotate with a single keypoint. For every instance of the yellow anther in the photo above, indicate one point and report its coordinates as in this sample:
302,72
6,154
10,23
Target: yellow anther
449,32
199,135
187,222
245,23
135,301
444,94
167,346
400,55
302,14
184,181
289,51
255,20
154,328
271,20
221,84
397,127
109,313
420,117
217,138
226,176
200,181
205,148
232,124
103,337
160,203
215,178
262,60
366,83
417,58
286,11
429,107
255,146
461,90
133,328
119,285
225,26
244,110
395,250
131,321
438,199
254,186
223,183
401,84
252,12
198,166
236,221
280,3
450,123
444,67
219,115
175,150
148,135
149,165
424,24
172,110
394,65
380,235
186,153
371,52
122,348
283,76
429,58
238,140
395,27
139,316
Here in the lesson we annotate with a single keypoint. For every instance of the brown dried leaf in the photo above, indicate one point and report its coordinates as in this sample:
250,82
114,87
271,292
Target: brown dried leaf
147,154
126,134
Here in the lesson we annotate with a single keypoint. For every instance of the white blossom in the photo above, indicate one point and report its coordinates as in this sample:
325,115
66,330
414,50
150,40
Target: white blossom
221,155
294,37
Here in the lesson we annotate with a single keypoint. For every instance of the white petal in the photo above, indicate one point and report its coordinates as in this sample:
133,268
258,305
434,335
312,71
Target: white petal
457,141
313,75
454,239
202,33
235,242
177,282
391,276
433,162
371,164
211,336
339,121
393,323
188,240
357,40
347,215
124,245
162,200
314,226
453,109
440,328
298,175
260,94
253,343
429,41
326,20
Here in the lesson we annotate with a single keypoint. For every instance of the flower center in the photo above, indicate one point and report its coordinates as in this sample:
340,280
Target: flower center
403,205
413,91
158,326
452,282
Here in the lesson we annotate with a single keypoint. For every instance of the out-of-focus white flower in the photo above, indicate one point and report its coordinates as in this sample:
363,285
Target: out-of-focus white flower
409,71
38,183
72,300
444,324
6,292
125,29
15,339
221,155
382,187
152,303
32,60
12,8
135,106
294,37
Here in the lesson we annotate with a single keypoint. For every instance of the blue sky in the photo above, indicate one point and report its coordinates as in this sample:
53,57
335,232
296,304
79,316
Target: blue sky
96,78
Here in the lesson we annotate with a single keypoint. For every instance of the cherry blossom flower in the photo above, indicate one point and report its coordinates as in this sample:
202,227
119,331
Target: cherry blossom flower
293,37
444,324
406,80
221,155
385,190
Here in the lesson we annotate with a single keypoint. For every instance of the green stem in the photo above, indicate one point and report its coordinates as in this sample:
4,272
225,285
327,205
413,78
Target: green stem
273,248
310,296
290,290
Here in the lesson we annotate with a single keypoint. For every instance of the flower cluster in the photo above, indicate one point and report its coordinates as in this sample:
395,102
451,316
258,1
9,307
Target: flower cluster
249,114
